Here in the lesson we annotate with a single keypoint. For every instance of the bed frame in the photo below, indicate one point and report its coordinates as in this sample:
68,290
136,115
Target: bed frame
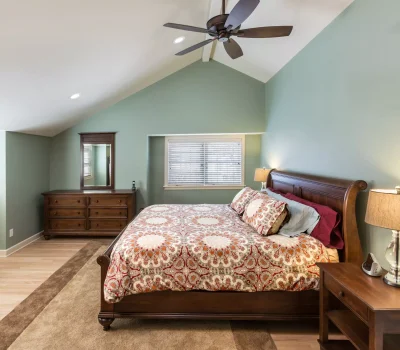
338,194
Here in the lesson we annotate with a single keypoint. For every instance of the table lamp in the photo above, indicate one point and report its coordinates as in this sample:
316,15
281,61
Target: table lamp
261,175
383,210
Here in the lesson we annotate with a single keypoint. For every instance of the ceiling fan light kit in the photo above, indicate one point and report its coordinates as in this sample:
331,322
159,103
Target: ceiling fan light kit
224,26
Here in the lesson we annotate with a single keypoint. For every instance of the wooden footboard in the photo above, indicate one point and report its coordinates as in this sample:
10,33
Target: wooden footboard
338,194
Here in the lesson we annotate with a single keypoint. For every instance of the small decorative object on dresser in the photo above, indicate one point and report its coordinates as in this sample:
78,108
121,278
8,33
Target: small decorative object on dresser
362,307
87,213
383,210
372,267
261,175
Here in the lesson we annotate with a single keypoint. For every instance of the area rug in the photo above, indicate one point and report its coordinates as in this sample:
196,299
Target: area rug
62,314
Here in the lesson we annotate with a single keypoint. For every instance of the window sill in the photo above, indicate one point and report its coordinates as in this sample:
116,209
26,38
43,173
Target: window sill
182,188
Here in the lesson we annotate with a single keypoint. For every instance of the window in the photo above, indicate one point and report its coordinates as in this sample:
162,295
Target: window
87,161
204,161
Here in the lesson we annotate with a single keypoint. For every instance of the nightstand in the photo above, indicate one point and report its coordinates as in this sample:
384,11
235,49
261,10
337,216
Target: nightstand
363,308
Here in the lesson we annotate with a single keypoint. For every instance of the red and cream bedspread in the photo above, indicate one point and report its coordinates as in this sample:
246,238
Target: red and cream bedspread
207,247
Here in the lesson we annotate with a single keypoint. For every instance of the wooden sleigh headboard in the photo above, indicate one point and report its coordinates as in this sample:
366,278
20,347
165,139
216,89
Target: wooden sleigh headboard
340,195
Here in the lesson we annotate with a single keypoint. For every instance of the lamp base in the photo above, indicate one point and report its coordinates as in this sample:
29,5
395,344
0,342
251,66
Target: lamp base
393,256
263,186
391,281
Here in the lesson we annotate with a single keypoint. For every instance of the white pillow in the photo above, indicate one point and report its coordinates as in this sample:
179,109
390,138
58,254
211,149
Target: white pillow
303,218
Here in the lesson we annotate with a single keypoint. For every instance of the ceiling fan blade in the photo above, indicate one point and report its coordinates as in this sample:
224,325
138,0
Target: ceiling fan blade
265,32
242,10
195,47
185,27
233,49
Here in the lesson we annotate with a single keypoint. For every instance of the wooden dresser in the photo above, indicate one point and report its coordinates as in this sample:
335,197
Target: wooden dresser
87,213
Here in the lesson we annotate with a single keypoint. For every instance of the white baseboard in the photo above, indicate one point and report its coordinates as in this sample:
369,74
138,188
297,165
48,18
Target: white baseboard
7,252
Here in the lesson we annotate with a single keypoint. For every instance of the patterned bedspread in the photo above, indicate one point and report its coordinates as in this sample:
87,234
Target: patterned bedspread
207,247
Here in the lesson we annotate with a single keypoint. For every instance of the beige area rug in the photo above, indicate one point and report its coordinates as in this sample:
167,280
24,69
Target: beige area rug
62,314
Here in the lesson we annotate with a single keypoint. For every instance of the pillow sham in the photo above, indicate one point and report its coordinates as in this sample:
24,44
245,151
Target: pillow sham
241,199
265,214
328,228
303,218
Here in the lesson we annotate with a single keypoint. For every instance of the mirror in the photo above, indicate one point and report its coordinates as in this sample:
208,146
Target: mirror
97,166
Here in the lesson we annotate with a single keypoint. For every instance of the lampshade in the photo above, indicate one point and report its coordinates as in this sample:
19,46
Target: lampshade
261,174
383,209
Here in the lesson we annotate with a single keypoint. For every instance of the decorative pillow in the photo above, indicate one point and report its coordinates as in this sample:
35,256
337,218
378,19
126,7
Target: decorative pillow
328,228
303,218
265,214
241,199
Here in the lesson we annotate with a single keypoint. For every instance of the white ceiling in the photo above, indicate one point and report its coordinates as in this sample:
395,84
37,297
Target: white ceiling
107,50
263,58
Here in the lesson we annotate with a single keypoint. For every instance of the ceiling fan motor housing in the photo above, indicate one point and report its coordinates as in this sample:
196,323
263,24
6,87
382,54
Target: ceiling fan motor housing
217,25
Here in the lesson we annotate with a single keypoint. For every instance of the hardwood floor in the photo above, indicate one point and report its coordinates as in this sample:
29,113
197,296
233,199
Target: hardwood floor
22,272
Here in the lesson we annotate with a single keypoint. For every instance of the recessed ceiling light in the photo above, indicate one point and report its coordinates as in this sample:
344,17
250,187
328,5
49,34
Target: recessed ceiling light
179,40
75,96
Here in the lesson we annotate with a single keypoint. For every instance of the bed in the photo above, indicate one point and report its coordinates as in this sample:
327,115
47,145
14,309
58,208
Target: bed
293,299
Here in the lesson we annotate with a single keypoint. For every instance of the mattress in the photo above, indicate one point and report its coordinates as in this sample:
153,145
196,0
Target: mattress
208,247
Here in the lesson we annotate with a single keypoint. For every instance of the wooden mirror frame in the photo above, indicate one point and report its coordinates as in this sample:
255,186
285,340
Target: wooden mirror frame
98,138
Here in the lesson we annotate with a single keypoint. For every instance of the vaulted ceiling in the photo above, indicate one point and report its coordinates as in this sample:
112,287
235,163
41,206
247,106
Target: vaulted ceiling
108,50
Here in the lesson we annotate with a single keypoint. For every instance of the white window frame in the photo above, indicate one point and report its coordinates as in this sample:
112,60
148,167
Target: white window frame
90,163
203,138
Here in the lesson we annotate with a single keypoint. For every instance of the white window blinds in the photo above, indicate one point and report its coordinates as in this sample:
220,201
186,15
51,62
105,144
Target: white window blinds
197,162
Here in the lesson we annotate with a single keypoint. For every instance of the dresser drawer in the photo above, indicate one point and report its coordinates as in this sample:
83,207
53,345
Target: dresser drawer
64,201
346,297
112,201
108,212
107,225
67,224
62,212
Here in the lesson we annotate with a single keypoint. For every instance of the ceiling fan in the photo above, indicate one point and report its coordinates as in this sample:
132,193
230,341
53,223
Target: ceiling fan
224,26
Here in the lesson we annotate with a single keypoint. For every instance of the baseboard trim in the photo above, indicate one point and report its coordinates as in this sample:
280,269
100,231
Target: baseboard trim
7,252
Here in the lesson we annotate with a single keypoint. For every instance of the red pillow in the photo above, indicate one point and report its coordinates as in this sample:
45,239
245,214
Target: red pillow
328,228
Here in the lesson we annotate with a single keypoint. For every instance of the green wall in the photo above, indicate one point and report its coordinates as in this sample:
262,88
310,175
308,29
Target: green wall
27,176
3,238
334,109
157,195
202,98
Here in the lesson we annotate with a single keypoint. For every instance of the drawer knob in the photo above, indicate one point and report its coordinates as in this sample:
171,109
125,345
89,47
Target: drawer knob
79,213
120,200
79,224
97,213
79,200
97,225
55,213
97,201
120,213
341,294
56,201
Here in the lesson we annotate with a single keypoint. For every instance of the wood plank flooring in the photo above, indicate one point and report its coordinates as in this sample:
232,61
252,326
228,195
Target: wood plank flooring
22,272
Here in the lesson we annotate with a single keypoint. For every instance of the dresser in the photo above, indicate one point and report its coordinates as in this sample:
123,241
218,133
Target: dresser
87,213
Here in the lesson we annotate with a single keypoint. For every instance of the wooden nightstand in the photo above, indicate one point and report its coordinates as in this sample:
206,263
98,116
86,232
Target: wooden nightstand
368,309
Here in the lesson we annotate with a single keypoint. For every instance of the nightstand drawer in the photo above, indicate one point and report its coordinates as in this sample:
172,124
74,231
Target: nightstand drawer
346,297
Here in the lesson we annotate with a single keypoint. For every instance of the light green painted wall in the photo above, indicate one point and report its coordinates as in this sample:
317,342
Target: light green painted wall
157,195
202,98
2,190
334,109
27,176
